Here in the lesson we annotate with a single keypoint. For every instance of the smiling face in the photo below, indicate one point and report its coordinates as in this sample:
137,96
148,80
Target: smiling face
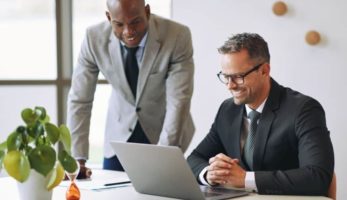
256,85
129,20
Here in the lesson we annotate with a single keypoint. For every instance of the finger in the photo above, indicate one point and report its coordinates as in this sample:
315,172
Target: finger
221,157
235,160
219,165
217,176
217,157
237,176
225,158
84,173
211,160
88,172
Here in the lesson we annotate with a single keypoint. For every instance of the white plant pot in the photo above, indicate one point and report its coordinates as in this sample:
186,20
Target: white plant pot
34,188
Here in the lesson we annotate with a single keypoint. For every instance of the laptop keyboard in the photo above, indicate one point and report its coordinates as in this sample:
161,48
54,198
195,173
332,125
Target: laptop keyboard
211,194
215,191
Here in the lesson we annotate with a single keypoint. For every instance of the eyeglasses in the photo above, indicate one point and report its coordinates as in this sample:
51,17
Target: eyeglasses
237,79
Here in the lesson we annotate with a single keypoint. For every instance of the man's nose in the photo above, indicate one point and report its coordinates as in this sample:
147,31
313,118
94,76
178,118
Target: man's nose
231,85
128,30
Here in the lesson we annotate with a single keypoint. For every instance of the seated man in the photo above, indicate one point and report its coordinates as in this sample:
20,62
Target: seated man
266,138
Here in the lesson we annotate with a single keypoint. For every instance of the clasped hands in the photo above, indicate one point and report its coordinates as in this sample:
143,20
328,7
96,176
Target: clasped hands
225,171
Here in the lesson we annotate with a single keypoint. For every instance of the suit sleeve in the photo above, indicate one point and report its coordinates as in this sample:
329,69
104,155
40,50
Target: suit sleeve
80,100
315,155
179,90
210,146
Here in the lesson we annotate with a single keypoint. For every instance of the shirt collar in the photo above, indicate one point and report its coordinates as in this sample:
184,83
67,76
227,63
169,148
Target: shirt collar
259,109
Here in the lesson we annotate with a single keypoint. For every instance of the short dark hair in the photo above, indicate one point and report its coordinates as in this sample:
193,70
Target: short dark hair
255,45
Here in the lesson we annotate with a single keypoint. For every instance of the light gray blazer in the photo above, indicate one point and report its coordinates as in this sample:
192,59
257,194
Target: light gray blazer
164,90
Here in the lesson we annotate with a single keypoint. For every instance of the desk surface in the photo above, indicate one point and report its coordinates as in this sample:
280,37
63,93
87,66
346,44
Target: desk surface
9,186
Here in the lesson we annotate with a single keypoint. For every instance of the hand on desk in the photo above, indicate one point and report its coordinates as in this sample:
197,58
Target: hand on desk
84,173
225,171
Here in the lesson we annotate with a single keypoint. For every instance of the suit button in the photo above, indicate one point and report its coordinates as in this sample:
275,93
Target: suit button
130,130
138,109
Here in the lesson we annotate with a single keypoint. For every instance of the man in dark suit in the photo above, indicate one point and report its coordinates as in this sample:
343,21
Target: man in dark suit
286,150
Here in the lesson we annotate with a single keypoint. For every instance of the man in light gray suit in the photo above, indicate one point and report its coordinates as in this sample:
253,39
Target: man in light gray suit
150,99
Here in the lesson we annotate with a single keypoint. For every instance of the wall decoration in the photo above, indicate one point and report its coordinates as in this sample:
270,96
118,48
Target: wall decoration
279,8
312,37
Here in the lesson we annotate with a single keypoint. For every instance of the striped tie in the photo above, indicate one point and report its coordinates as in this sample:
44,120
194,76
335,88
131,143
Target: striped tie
249,146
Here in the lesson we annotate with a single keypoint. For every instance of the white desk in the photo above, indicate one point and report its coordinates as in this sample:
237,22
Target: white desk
8,188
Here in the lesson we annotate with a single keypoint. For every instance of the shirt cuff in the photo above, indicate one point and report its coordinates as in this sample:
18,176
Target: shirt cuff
202,176
250,182
81,158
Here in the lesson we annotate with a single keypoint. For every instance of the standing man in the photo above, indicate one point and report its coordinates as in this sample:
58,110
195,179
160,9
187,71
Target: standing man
148,61
266,138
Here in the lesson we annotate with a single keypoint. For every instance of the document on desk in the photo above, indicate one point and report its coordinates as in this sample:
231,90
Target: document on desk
106,183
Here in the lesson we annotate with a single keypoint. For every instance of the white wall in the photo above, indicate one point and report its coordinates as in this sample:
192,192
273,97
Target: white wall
318,71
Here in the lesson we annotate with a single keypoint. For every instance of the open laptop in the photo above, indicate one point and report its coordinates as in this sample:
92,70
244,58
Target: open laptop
163,171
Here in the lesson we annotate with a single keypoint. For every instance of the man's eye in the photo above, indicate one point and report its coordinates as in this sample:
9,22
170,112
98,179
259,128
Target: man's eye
118,24
135,22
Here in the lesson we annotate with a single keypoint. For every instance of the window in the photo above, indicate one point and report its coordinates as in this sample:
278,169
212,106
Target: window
15,98
28,40
28,56
40,41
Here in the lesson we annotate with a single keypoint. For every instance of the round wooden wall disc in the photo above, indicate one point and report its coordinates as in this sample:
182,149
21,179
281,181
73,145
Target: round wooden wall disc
279,8
312,37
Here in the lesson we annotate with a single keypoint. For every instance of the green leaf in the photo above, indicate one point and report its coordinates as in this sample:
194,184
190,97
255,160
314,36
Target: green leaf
31,130
3,145
2,155
17,165
14,141
65,137
68,162
46,119
41,112
29,116
21,129
42,159
52,132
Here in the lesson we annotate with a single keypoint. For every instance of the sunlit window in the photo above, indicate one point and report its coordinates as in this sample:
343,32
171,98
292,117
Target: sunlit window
28,52
28,39
15,98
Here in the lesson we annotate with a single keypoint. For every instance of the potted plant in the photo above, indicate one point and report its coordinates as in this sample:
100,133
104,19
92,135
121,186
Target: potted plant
31,151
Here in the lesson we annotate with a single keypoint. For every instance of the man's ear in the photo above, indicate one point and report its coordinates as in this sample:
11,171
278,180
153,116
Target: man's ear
148,11
108,16
266,68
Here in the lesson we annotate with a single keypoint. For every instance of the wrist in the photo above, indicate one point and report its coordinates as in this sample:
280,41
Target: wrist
82,162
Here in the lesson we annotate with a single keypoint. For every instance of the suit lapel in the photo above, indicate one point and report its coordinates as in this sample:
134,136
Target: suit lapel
236,137
264,127
150,54
232,127
117,69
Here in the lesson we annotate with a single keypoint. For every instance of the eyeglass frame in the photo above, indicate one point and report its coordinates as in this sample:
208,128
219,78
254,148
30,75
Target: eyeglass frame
240,77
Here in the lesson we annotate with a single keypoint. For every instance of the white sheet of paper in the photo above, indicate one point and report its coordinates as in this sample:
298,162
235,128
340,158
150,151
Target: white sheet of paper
96,183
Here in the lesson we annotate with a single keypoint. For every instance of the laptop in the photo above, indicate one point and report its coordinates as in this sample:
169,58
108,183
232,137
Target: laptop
163,171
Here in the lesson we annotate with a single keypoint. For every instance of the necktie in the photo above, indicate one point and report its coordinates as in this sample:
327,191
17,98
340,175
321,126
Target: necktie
249,145
131,68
